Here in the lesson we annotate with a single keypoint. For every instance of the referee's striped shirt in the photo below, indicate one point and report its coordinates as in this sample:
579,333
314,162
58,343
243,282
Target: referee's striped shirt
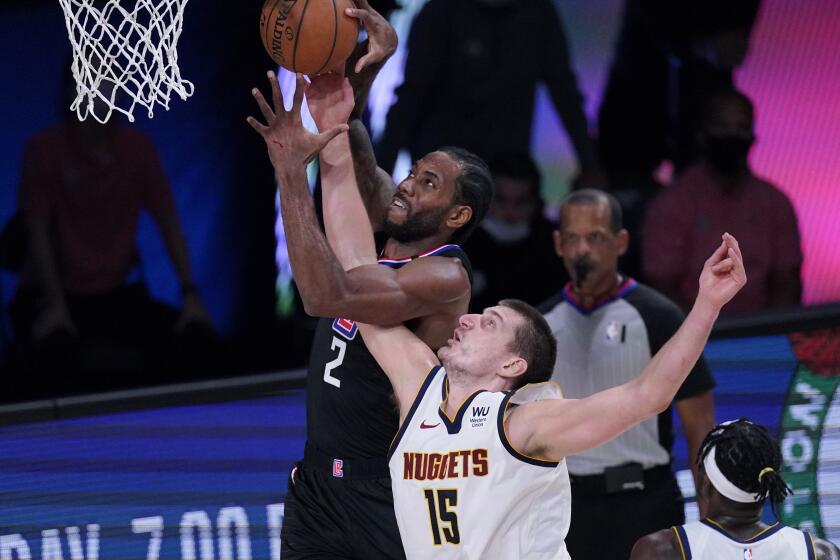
608,345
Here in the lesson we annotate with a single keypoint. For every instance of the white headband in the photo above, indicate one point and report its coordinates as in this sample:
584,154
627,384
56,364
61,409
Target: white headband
722,484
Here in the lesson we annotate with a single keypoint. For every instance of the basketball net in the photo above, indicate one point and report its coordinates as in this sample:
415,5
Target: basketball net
124,56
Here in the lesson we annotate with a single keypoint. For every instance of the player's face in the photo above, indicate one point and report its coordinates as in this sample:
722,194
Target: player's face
423,201
481,342
588,246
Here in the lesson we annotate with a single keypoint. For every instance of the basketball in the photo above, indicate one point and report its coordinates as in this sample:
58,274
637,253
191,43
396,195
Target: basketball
308,36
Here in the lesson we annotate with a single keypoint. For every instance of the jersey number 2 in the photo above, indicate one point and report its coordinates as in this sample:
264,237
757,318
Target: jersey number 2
444,520
328,376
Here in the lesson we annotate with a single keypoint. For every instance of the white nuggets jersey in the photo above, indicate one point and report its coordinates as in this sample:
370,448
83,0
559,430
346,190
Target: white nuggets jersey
706,540
462,491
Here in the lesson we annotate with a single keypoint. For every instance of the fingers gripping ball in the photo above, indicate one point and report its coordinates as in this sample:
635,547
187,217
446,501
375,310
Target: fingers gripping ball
308,36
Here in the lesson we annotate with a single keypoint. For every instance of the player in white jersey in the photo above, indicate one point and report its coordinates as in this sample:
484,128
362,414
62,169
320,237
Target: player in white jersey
464,489
739,466
520,511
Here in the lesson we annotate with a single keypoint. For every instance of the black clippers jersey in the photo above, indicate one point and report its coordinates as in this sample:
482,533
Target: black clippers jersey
350,408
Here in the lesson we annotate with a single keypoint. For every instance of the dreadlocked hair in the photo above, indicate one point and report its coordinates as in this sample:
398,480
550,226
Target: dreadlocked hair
743,451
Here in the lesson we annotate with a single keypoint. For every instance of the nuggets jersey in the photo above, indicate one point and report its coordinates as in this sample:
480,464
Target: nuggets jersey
350,409
706,540
462,491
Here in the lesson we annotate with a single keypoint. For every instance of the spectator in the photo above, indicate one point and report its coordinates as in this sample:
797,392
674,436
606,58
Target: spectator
83,186
608,327
670,57
720,193
511,251
470,78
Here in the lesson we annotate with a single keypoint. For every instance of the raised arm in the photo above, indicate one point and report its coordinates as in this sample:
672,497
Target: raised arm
375,184
364,64
403,356
290,148
330,100
558,428
373,294
346,183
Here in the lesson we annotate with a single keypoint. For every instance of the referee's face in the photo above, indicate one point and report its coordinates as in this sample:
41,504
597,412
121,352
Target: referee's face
589,248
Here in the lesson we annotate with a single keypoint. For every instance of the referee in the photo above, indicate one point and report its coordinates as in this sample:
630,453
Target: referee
607,327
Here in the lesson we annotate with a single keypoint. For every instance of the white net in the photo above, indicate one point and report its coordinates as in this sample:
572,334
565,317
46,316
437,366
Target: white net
124,55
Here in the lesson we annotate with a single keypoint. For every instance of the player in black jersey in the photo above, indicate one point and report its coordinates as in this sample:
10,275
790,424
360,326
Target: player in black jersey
339,503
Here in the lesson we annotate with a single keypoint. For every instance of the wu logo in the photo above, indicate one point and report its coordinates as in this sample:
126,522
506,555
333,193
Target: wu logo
481,410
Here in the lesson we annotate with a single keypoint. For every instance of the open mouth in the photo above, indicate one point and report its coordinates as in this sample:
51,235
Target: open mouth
399,203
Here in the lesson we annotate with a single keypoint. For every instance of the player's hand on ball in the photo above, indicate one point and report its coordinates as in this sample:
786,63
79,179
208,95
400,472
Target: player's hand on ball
382,37
330,100
723,274
289,143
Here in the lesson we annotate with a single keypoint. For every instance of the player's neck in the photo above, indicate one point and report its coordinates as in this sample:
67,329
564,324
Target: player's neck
397,250
461,385
739,524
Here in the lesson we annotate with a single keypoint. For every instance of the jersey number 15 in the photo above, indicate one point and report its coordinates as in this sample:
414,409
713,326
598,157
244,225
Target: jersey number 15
443,519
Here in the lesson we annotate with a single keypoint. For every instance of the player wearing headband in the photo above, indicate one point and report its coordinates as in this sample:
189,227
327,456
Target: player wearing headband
739,466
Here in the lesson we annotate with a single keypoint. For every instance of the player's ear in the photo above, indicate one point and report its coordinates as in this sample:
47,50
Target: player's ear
459,216
514,367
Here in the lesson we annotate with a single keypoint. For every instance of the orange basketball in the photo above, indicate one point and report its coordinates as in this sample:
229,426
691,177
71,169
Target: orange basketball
308,36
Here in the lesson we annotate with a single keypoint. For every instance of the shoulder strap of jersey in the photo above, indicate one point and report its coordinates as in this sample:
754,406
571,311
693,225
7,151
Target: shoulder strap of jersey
448,250
506,443
457,252
810,547
424,388
682,540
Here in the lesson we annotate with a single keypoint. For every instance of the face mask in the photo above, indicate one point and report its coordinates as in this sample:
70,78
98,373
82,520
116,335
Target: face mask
727,154
505,232
582,267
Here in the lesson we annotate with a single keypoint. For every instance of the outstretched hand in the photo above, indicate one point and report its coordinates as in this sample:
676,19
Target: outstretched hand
382,38
723,274
289,144
330,100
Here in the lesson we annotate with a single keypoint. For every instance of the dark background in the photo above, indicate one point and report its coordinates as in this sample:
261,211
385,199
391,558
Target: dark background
221,180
